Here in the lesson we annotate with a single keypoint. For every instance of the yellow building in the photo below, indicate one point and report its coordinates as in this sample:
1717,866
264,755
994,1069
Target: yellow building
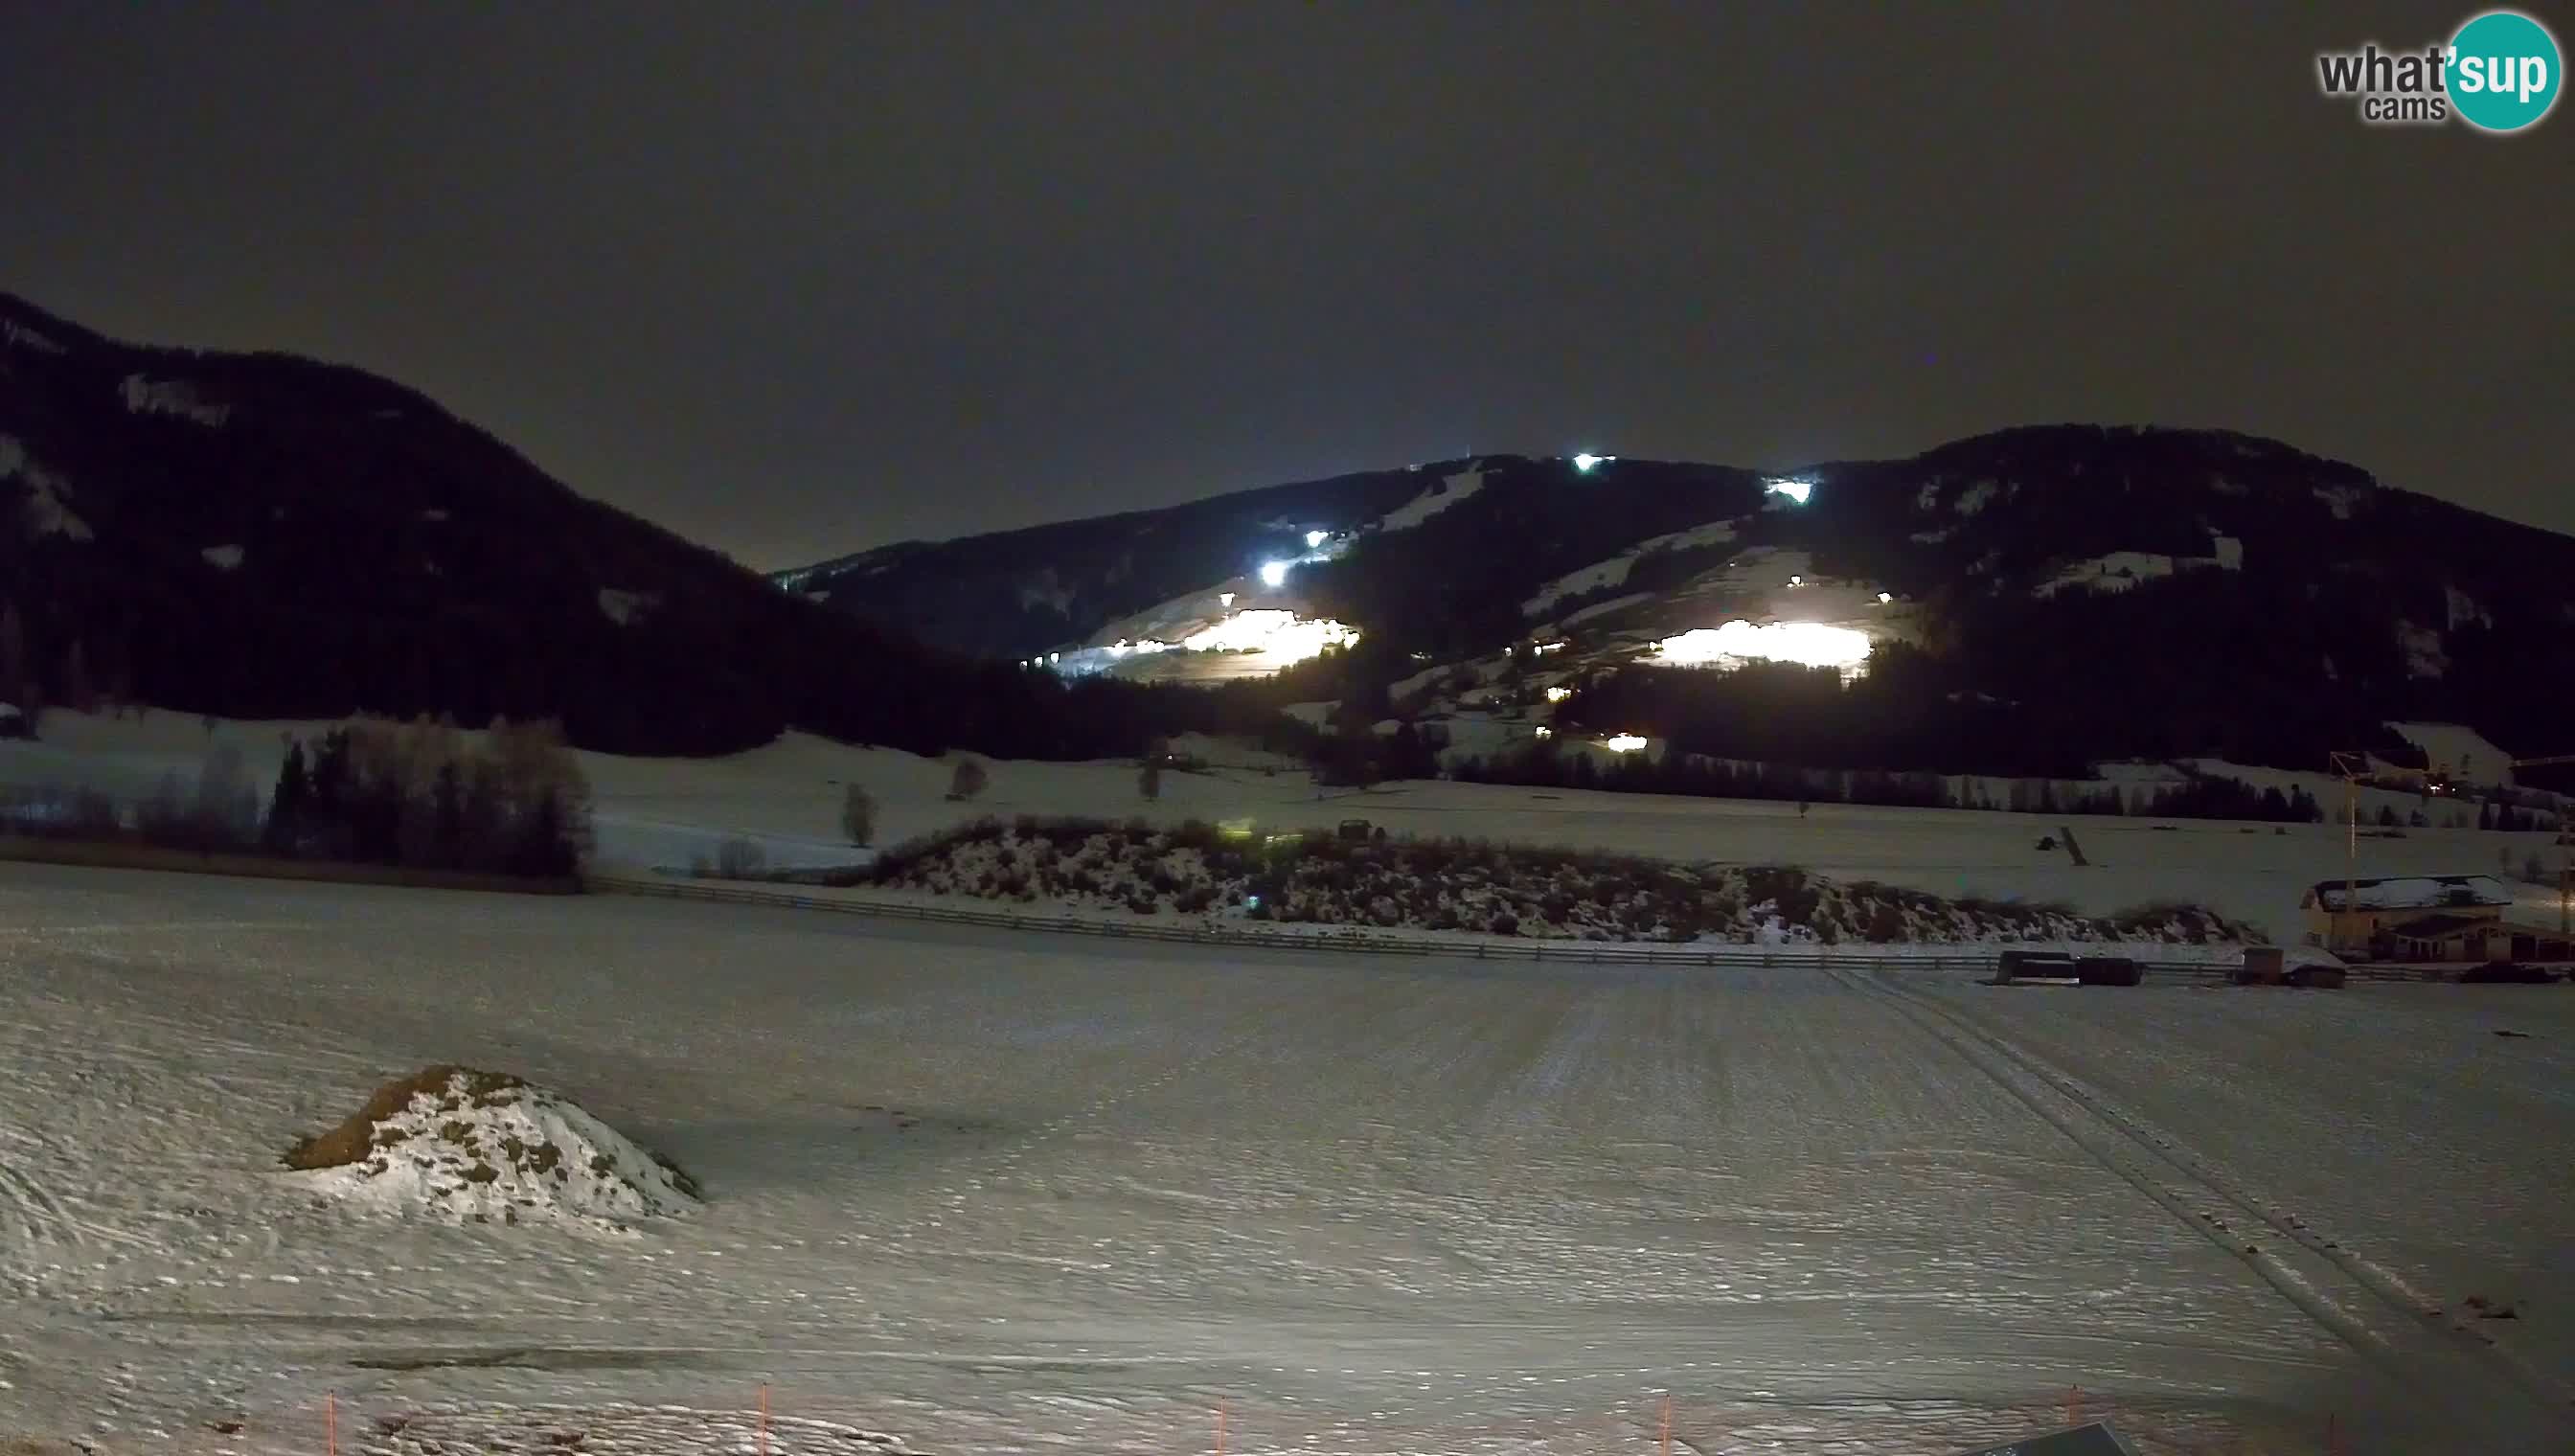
2411,918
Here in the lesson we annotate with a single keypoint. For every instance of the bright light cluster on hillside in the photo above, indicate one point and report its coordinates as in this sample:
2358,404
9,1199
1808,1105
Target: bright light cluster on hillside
1125,648
1796,490
1279,633
1274,574
1586,461
1623,743
1810,642
1270,638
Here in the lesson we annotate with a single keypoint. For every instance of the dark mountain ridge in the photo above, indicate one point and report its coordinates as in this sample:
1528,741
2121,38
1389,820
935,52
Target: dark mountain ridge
263,536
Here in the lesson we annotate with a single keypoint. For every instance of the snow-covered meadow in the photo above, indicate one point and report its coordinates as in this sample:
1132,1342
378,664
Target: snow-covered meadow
786,797
972,1190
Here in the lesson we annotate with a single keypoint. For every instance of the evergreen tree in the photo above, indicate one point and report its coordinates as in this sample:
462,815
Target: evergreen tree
289,806
1408,755
330,778
540,851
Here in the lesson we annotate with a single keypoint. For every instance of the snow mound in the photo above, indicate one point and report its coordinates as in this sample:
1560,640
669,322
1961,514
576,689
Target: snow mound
458,1146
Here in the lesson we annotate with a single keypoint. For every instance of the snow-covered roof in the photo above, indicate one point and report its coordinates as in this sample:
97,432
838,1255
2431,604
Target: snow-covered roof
2412,893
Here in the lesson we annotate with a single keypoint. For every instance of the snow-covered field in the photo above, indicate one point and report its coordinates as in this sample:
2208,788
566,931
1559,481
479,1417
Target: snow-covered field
995,1192
787,797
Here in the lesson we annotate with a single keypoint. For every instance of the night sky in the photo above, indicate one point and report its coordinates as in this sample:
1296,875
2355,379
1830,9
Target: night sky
796,280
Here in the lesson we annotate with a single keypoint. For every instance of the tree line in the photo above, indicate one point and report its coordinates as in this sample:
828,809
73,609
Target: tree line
509,801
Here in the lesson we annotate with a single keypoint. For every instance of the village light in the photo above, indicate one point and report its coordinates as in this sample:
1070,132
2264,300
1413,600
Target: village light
1314,539
1587,462
1274,573
1797,491
1625,743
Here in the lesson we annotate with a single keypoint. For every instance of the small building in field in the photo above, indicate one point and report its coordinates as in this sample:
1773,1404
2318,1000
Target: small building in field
2445,938
2380,907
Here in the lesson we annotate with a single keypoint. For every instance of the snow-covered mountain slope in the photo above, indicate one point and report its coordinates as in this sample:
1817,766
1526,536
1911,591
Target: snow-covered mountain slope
2226,580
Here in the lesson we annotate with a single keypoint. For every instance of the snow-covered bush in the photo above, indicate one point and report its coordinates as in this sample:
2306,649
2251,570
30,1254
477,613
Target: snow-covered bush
1473,885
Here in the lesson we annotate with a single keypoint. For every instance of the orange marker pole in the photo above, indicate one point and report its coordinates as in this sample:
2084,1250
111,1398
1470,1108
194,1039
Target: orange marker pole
1219,1426
1668,1424
764,1420
331,1422
2074,1405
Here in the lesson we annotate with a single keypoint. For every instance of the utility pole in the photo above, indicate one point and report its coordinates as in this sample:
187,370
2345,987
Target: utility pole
2351,766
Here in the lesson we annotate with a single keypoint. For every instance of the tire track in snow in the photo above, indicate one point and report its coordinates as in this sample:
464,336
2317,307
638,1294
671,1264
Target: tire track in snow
2343,1293
49,1219
2391,1289
29,1212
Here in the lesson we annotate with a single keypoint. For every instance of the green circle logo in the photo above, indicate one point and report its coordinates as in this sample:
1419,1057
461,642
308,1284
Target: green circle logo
2504,71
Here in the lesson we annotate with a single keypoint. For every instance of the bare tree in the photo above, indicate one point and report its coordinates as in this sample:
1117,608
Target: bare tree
859,816
969,780
740,859
226,811
1149,778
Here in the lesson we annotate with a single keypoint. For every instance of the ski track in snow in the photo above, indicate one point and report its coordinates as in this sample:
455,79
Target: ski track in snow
2467,1374
1005,1193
